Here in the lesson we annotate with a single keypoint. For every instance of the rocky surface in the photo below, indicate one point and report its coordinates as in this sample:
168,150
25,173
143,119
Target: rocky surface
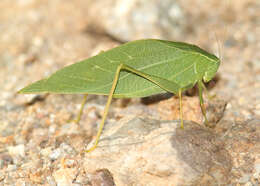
38,144
144,152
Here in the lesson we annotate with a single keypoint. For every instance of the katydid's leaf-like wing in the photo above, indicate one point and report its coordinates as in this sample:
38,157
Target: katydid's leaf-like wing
181,63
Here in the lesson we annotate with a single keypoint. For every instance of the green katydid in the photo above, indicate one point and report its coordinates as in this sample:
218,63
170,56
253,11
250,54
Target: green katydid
135,69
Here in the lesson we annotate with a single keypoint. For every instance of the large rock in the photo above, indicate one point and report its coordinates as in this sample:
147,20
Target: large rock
242,141
150,152
129,20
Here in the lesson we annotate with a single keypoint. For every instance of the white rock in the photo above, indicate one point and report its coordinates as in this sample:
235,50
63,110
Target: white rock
129,20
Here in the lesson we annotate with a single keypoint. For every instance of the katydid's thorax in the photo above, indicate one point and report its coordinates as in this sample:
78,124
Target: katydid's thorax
200,69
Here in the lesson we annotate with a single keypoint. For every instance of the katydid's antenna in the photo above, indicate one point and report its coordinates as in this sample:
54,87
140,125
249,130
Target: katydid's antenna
220,46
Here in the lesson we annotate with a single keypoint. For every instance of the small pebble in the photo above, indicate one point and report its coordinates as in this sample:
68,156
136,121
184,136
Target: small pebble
55,154
11,167
17,150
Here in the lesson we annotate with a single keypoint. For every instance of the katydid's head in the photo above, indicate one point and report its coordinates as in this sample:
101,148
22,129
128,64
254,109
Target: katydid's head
214,62
211,70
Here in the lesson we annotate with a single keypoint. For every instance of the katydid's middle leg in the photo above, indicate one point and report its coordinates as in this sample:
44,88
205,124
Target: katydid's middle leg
81,109
181,114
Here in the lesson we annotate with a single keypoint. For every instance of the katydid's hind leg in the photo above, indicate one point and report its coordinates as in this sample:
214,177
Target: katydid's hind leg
168,86
181,112
110,96
81,109
202,106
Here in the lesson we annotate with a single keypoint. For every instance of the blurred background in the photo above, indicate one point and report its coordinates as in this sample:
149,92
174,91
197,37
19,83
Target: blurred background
38,37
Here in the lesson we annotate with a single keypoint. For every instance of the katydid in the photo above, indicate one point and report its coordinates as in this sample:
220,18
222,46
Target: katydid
135,69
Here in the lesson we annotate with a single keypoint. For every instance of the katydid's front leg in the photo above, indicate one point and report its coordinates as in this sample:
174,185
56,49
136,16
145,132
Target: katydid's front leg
207,93
202,106
163,83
